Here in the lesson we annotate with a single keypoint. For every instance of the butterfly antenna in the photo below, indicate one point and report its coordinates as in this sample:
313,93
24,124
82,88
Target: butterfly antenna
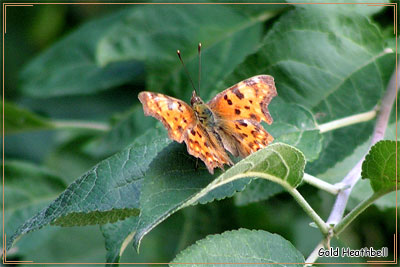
199,49
187,73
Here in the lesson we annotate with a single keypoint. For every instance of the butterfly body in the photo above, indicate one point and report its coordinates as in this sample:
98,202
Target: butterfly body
202,112
230,121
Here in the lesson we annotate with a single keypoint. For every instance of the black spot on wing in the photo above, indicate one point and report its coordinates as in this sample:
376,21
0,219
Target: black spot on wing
237,92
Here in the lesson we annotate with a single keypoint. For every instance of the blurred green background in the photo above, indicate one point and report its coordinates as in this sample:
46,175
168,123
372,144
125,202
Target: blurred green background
67,154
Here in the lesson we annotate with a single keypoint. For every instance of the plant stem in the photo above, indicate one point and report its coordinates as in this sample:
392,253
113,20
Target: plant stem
307,208
353,176
293,191
350,120
314,254
321,184
356,211
380,127
59,124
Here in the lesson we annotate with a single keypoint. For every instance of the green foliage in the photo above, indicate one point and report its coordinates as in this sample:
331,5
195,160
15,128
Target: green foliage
19,120
169,181
328,62
334,64
69,67
220,30
28,188
116,181
241,246
380,167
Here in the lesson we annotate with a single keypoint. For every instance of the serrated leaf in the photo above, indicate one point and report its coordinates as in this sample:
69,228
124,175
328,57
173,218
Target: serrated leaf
69,67
126,129
150,33
240,247
166,182
333,63
295,125
380,166
362,188
169,188
18,120
117,236
257,190
27,189
108,192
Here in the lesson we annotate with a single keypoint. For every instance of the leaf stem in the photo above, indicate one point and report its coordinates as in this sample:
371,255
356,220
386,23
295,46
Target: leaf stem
293,191
60,124
330,188
354,175
307,208
380,127
357,211
350,120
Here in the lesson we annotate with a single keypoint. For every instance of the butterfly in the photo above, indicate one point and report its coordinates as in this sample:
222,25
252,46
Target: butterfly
230,121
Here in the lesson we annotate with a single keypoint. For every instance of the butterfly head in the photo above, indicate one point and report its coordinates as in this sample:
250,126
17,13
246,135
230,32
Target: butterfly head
195,100
202,111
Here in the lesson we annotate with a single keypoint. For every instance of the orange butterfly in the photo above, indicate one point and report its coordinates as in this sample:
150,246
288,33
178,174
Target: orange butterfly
231,120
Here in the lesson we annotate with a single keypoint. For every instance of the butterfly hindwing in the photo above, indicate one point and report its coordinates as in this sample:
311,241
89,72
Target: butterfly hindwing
248,99
243,137
231,120
206,146
176,116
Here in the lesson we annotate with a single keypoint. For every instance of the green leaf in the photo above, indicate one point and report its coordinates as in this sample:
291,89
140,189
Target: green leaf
18,120
241,246
333,63
257,190
362,188
108,192
127,128
27,189
117,236
69,67
352,6
150,33
170,184
380,167
295,125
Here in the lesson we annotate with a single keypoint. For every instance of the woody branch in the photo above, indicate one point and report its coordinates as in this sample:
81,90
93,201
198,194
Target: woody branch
354,175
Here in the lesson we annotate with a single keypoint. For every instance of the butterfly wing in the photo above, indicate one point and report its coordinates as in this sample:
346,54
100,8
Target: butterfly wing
180,121
176,116
248,99
243,137
207,146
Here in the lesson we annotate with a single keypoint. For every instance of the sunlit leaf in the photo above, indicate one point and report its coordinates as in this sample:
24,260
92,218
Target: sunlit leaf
380,166
241,246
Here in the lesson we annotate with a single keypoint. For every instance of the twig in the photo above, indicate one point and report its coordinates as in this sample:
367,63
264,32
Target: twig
314,254
350,120
357,210
333,189
60,124
380,126
323,227
354,175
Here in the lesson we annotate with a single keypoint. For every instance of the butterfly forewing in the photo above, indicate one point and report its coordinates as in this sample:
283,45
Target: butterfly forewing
232,124
248,99
176,116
